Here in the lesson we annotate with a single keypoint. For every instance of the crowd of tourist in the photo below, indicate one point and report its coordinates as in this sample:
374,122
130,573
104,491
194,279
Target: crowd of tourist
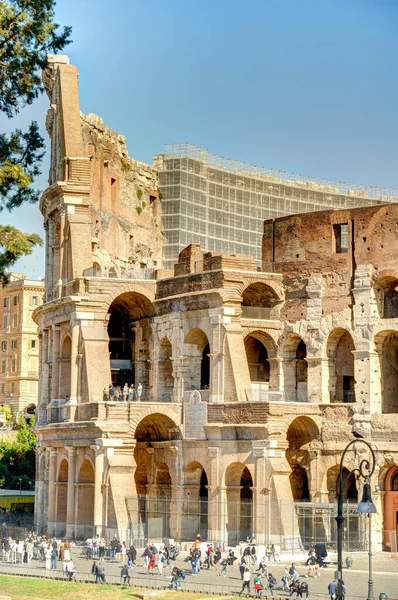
253,570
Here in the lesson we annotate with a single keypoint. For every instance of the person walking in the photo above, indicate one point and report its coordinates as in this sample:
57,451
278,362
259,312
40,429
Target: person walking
54,555
94,570
332,589
48,557
131,555
125,574
100,577
303,590
70,570
258,586
151,564
139,392
125,392
285,580
242,567
246,582
131,396
224,564
271,583
67,550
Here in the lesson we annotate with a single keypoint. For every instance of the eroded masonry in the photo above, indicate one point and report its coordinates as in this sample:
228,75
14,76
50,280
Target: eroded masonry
252,381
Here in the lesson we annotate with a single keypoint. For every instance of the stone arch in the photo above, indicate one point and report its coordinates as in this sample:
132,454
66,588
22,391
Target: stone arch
97,271
299,483
302,430
295,368
196,497
65,368
197,362
260,351
156,427
62,497
339,352
127,308
85,499
163,485
390,505
260,301
386,344
238,481
165,373
386,293
350,491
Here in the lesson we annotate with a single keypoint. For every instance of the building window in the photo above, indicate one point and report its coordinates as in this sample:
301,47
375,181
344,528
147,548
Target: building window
4,346
5,303
13,365
3,366
341,238
34,301
16,300
3,387
33,344
15,320
12,387
5,321
113,189
14,344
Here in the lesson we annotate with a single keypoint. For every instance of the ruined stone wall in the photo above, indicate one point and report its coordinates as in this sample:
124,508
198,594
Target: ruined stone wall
125,204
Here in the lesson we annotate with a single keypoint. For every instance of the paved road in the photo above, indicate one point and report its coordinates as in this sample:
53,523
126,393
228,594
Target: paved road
385,580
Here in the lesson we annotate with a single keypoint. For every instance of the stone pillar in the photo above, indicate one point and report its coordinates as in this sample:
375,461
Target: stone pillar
98,499
74,366
55,362
274,374
367,374
41,490
216,357
260,491
52,491
315,390
214,527
70,507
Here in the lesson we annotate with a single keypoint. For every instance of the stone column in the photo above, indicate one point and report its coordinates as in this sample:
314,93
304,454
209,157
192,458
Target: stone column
259,496
315,390
55,362
367,374
52,491
98,499
70,507
214,525
274,374
74,366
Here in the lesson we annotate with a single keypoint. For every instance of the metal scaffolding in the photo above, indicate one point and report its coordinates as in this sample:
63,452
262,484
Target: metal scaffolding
222,204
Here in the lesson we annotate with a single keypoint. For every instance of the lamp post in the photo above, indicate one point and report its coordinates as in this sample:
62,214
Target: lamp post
20,485
365,471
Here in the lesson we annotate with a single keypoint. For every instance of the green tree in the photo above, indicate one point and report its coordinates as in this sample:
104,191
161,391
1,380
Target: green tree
17,458
13,244
27,34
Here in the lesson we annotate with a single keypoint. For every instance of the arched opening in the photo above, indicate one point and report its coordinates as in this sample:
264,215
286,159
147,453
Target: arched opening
350,493
165,379
85,500
197,362
260,301
125,311
299,484
390,512
140,516
97,271
295,369
239,484
112,273
195,507
157,428
257,358
61,497
56,249
65,367
163,498
300,433
387,348
386,291
340,346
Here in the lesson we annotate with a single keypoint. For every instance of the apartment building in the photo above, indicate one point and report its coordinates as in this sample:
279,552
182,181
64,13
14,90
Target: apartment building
19,342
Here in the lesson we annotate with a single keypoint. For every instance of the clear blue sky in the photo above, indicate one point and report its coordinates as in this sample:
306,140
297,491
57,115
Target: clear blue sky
306,86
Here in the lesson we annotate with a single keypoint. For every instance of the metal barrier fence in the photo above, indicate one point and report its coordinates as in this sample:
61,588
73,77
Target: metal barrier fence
293,526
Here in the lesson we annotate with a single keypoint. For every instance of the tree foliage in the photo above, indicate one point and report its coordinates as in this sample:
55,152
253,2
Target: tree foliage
17,458
27,34
13,245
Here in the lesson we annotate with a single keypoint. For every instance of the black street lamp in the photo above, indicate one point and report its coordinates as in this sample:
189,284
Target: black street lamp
365,471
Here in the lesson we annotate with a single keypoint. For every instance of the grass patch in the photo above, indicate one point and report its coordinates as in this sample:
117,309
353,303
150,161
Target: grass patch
26,588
